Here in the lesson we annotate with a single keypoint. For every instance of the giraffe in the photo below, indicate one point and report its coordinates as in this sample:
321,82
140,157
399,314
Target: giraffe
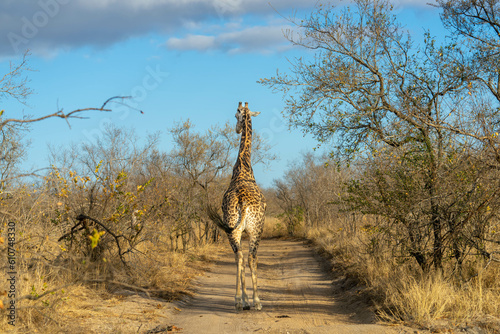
243,207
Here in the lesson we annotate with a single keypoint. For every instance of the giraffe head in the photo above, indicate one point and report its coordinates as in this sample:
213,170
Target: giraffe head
240,115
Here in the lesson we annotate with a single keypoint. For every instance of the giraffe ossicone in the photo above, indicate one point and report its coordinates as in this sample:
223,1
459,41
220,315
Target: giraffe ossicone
243,207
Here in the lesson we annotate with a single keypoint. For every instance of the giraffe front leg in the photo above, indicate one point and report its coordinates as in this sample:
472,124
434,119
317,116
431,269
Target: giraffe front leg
252,262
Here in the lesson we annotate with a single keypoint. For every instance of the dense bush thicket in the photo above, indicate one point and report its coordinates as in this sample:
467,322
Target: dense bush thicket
412,131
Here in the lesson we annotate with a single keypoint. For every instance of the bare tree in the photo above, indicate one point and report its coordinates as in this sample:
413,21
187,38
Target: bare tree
202,163
476,23
15,85
308,193
107,186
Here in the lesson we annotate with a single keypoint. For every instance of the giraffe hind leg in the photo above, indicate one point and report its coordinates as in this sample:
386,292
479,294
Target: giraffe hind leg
241,297
252,262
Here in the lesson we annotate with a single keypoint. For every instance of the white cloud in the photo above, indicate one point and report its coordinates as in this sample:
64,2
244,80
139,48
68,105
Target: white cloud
192,42
263,39
64,24
136,4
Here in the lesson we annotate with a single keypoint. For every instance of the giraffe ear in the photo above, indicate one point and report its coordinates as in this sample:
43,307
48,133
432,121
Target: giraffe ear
254,113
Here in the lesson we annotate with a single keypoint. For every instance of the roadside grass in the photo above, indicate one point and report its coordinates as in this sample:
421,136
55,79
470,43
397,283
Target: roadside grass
274,228
401,293
60,292
60,289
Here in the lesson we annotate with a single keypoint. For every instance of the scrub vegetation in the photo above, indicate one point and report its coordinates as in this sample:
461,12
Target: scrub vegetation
404,202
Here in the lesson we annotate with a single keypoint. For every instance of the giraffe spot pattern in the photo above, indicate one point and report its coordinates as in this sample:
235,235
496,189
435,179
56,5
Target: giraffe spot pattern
243,207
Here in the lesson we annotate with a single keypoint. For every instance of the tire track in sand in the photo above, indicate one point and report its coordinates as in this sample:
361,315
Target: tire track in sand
296,294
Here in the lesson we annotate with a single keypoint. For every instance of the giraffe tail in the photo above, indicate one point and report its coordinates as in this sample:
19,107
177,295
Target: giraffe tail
214,216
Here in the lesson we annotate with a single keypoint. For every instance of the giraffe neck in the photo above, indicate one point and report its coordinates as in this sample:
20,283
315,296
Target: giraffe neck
243,166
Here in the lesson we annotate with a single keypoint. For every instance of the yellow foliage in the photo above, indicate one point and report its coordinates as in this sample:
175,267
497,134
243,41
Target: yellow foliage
94,238
98,167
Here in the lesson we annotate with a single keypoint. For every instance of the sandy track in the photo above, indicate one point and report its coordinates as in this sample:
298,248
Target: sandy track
296,294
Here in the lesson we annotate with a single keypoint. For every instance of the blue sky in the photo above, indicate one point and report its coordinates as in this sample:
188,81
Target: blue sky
179,59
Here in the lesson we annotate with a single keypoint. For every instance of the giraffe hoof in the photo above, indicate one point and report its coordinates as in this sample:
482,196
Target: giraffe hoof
239,306
257,306
246,307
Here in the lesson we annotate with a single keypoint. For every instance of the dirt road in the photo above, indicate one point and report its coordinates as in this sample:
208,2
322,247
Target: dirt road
296,293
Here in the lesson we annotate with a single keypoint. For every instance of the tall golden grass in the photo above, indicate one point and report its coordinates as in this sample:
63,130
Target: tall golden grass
274,228
401,293
56,289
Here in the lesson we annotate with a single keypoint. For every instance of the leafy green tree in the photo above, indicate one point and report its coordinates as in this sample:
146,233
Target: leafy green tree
369,88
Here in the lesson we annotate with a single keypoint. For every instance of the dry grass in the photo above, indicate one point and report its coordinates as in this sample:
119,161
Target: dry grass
274,228
59,291
402,294
426,300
